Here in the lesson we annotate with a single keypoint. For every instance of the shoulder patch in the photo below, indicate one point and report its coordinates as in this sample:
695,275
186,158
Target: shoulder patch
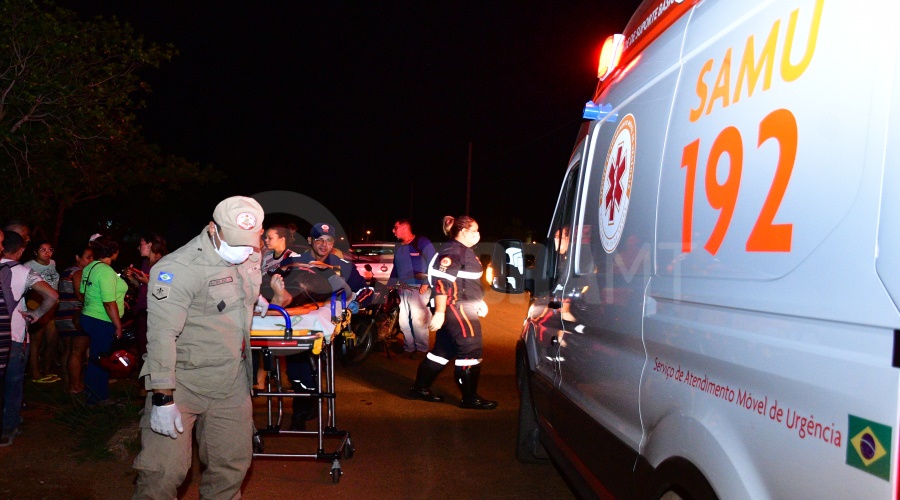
160,292
165,277
445,262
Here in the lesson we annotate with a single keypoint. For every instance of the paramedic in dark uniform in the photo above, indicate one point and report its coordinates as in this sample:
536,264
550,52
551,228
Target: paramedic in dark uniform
455,276
299,366
200,304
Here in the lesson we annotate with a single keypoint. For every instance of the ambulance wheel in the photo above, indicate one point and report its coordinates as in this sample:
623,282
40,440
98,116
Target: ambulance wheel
529,449
678,479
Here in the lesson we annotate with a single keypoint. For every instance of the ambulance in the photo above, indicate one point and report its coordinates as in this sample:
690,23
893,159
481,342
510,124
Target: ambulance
715,311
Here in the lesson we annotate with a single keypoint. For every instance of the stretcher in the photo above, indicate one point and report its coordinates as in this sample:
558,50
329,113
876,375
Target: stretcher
284,332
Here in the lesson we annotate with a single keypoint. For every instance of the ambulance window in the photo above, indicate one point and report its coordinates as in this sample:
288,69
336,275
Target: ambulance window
587,218
584,263
561,230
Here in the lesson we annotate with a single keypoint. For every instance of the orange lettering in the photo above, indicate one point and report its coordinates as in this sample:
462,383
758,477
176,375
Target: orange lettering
723,82
752,71
688,161
702,91
723,197
766,236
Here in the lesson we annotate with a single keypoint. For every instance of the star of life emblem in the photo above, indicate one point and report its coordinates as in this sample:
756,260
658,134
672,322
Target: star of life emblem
615,192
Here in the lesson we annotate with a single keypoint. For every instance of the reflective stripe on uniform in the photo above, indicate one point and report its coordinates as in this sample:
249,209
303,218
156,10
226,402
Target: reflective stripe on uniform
441,274
467,362
468,275
430,268
437,359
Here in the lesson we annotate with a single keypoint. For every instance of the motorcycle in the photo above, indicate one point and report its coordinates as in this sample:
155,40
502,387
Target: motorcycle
377,322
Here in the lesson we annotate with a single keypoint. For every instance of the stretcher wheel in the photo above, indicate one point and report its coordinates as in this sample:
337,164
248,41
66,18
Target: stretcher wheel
336,472
258,445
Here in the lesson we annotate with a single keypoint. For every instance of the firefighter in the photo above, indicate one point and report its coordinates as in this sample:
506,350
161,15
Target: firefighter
200,304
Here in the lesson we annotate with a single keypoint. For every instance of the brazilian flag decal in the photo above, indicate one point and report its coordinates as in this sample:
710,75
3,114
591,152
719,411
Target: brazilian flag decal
870,447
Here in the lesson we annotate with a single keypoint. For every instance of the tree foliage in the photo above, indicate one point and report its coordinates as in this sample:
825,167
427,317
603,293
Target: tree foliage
69,90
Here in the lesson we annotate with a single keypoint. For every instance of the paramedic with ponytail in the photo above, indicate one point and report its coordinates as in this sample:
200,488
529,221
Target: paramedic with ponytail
455,276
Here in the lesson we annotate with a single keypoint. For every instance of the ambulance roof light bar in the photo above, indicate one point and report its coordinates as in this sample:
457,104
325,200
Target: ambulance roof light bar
593,111
610,56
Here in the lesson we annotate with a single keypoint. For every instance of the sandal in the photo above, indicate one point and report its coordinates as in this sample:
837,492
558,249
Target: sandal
48,379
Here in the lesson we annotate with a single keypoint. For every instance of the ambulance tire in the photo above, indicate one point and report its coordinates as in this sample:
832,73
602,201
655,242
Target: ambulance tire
529,449
677,479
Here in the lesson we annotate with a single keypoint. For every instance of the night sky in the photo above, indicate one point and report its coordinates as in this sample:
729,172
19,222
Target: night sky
369,107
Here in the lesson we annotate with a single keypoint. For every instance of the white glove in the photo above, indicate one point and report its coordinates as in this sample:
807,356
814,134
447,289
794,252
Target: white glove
262,306
166,420
437,319
482,309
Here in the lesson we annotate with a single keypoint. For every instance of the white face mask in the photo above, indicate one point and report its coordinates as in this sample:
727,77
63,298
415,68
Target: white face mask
230,254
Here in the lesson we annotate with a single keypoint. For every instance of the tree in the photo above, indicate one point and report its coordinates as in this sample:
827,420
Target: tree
68,94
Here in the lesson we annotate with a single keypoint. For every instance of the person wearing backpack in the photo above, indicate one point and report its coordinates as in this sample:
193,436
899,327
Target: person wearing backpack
15,281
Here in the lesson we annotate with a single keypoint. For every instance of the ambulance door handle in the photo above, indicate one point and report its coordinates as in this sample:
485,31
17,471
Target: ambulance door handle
554,304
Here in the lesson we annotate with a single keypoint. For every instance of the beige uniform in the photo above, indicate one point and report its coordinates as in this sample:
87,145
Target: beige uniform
198,343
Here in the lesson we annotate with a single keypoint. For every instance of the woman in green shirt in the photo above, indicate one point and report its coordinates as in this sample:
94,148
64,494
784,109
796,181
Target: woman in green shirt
104,304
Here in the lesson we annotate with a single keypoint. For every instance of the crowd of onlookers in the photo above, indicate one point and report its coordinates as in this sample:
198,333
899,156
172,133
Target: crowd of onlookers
52,321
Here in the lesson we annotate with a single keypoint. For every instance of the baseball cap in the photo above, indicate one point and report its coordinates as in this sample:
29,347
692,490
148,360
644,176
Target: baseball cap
320,230
240,220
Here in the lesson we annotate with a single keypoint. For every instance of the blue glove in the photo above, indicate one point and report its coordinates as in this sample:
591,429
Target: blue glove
353,306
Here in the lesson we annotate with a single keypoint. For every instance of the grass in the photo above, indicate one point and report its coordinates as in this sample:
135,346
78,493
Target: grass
91,426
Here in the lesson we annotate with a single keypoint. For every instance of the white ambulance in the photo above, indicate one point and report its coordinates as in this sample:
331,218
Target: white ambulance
716,311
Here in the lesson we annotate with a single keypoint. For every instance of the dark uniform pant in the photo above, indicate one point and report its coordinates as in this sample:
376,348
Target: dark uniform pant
460,335
225,440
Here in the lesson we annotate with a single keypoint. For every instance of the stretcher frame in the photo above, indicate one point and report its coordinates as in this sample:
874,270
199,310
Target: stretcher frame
272,345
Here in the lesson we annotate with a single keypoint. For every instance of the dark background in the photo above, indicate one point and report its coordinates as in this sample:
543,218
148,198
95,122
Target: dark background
368,107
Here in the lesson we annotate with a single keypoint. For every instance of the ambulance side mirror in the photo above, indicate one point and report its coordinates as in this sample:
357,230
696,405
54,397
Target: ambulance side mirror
508,267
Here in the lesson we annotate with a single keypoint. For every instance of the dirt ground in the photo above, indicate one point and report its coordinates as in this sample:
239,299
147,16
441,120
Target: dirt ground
42,463
404,448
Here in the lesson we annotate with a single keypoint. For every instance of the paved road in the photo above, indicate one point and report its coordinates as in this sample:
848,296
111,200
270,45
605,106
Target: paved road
414,449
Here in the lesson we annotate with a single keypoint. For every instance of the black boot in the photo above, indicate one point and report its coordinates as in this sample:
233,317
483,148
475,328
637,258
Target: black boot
467,380
425,375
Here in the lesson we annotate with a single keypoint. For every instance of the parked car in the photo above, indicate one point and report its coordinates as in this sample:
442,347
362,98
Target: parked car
379,256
